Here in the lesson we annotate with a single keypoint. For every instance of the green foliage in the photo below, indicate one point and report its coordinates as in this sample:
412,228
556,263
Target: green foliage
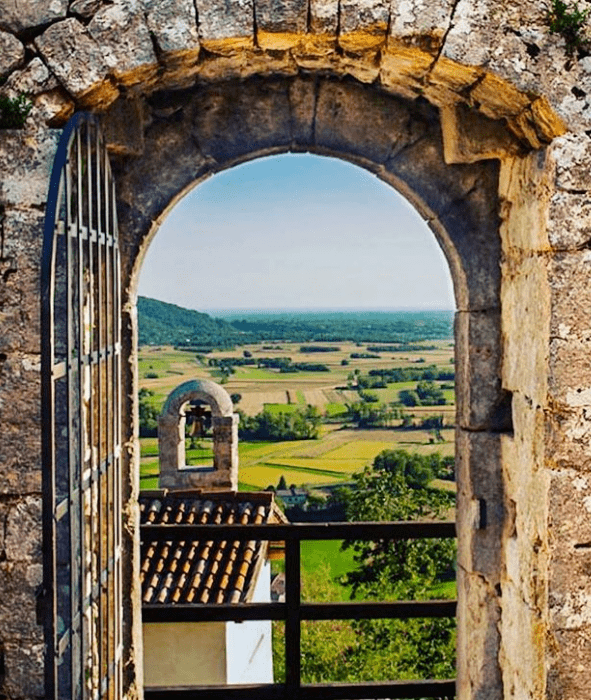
568,20
367,414
235,398
148,413
299,424
427,393
14,111
151,375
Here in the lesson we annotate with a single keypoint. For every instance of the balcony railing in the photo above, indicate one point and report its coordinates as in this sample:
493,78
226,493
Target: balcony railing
293,610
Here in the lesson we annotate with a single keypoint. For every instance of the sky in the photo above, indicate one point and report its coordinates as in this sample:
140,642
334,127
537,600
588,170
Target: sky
296,232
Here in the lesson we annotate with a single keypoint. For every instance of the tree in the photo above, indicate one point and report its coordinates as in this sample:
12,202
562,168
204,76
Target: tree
282,484
235,398
394,488
148,413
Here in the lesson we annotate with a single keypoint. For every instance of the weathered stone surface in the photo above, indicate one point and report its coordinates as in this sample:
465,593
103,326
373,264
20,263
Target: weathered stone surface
123,127
12,53
526,305
572,154
77,61
567,438
24,667
568,678
34,78
20,390
570,294
20,456
20,266
363,24
26,165
479,672
324,17
241,120
280,23
302,100
18,16
481,511
226,27
123,35
85,8
17,606
173,25
340,122
469,136
569,221
472,35
22,541
416,18
481,402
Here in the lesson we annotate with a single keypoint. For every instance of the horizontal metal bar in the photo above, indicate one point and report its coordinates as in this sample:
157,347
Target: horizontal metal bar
301,531
400,609
324,691
385,610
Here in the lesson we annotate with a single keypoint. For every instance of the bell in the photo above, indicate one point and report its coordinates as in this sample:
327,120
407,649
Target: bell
198,417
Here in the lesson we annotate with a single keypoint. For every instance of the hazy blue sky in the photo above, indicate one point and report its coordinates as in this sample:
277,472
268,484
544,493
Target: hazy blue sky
296,231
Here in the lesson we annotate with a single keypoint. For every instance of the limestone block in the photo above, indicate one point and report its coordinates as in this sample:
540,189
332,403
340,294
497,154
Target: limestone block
20,390
568,437
571,296
123,127
246,63
124,38
403,69
363,24
20,456
343,112
572,154
17,603
20,265
473,31
302,100
451,77
85,8
568,672
280,23
25,163
420,17
479,672
34,78
569,221
481,512
19,16
526,307
522,654
481,402
173,25
78,62
24,531
225,27
171,159
324,17
24,668
469,136
12,53
241,119
525,188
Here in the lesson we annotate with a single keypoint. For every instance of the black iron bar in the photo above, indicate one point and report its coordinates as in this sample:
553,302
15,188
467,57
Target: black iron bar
400,610
330,691
302,531
292,617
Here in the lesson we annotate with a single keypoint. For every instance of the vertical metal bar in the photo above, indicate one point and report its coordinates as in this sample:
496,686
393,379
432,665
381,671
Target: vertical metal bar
85,584
292,621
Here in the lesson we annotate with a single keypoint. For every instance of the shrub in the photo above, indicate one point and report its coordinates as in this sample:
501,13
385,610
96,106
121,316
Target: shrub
14,111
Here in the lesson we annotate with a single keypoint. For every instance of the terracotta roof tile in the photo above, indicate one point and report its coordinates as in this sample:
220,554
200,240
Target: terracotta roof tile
204,572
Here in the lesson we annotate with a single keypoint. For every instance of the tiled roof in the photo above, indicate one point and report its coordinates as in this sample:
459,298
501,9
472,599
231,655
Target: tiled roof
202,572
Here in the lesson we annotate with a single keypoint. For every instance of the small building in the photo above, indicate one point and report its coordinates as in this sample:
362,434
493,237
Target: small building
292,497
193,572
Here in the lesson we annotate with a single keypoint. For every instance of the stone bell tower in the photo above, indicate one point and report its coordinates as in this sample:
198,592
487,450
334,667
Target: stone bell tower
174,472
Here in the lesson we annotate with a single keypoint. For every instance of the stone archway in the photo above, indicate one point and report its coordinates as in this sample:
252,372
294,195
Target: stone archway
190,134
495,86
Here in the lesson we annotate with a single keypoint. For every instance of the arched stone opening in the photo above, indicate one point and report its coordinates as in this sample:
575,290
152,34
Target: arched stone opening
171,438
188,135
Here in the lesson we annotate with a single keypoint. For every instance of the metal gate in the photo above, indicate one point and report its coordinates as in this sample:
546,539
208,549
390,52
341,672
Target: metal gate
81,351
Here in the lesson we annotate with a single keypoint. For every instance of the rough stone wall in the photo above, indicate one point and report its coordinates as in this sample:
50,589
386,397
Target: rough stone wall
505,88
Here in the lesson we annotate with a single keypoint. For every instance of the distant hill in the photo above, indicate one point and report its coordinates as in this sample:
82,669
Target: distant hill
168,324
